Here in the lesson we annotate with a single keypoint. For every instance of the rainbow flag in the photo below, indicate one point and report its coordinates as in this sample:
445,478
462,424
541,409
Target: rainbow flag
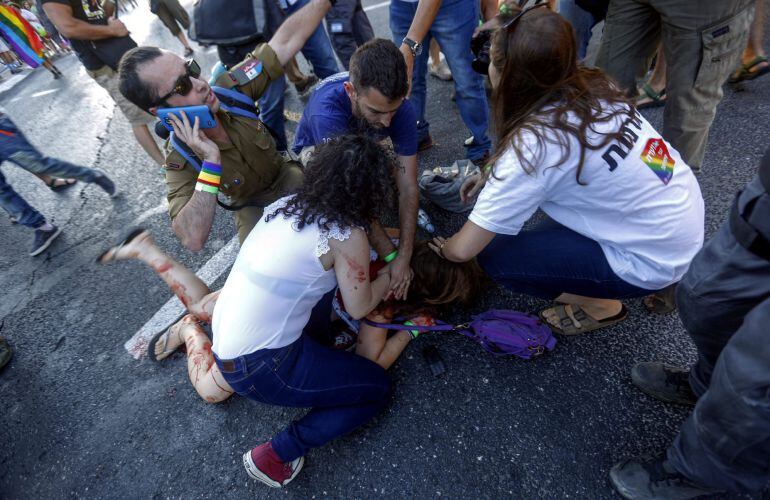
21,36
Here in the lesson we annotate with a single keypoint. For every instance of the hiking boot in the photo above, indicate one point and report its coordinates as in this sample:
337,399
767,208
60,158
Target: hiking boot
641,478
263,464
667,383
105,183
6,353
43,239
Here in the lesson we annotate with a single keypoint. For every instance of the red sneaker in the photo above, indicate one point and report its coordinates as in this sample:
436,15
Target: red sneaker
263,464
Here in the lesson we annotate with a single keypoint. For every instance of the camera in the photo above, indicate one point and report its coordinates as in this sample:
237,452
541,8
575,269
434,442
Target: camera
480,49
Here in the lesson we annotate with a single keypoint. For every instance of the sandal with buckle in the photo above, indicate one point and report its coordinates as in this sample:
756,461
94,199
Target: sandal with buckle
573,320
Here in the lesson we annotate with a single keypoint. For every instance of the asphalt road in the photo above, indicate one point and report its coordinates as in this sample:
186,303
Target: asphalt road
79,417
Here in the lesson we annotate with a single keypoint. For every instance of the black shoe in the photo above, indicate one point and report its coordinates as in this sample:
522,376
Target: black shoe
668,383
43,239
654,478
105,183
425,143
6,353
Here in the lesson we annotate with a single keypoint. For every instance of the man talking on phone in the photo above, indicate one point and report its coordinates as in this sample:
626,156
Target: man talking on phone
238,155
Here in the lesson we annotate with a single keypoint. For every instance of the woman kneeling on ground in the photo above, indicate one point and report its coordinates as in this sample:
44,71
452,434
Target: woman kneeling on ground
287,264
625,211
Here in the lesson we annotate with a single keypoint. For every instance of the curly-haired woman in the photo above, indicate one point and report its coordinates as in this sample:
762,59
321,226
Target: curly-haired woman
303,247
626,212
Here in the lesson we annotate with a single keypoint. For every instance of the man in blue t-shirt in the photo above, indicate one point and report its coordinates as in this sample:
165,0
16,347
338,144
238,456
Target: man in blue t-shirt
371,100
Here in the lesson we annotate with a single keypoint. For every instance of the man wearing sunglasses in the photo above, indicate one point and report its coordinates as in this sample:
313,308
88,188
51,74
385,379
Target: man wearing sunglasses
100,40
238,154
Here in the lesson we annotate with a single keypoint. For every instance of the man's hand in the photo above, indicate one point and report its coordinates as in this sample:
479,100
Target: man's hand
117,26
195,138
401,275
409,59
471,187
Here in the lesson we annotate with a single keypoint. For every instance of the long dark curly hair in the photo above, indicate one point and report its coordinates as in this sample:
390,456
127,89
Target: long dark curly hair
348,181
542,85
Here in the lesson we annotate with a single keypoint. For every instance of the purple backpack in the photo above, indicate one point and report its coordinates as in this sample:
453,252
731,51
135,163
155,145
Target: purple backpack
501,332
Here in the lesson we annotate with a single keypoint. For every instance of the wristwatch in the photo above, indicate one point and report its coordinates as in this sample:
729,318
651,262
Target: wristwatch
415,47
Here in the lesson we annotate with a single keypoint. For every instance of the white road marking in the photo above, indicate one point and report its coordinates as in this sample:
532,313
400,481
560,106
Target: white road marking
171,310
376,6
44,92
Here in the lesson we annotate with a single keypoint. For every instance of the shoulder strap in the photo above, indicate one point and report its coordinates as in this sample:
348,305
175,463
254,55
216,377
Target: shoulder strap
236,102
419,328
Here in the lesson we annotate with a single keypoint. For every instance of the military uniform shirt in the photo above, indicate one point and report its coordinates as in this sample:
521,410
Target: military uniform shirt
251,165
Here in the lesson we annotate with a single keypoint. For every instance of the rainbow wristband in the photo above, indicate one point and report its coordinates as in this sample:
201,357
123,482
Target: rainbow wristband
209,178
390,257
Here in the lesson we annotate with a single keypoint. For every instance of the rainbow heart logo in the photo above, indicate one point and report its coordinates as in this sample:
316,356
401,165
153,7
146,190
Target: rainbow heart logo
656,156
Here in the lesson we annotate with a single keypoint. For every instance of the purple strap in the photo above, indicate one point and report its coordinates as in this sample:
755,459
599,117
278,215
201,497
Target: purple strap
435,328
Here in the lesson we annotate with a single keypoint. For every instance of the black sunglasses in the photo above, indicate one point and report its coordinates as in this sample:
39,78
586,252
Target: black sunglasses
184,85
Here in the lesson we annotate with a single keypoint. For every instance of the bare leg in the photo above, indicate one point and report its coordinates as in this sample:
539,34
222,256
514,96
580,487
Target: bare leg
144,138
203,371
184,283
374,344
754,48
657,80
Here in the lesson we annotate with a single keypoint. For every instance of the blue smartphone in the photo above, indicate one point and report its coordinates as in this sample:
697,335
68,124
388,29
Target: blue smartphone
201,112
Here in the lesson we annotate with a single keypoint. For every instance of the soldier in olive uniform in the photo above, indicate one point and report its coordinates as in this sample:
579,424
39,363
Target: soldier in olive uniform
239,155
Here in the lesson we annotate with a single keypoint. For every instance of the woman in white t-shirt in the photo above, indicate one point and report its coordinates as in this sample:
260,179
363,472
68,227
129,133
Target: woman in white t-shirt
625,213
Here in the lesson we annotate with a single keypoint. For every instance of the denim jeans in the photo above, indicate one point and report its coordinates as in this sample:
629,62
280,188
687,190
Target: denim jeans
550,260
342,389
15,148
452,29
317,50
582,23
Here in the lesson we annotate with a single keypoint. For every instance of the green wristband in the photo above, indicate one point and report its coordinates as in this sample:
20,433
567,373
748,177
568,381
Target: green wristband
413,333
390,257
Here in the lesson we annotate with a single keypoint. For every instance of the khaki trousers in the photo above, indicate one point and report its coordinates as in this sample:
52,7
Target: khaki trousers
702,43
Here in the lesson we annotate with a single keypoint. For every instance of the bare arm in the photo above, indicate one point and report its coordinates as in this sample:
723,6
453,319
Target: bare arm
489,9
380,241
351,265
423,19
408,203
297,28
192,224
464,245
66,23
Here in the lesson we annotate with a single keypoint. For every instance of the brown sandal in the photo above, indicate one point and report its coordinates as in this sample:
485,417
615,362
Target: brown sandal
573,320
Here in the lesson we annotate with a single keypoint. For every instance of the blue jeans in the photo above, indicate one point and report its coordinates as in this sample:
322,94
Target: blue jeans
582,23
452,29
317,50
342,390
15,148
550,260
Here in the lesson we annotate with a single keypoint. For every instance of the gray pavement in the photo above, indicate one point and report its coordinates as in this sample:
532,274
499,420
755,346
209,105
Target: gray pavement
79,417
